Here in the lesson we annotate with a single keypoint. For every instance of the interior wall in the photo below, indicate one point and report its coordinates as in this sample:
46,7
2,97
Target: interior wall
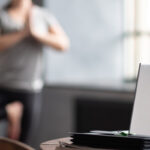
95,29
66,109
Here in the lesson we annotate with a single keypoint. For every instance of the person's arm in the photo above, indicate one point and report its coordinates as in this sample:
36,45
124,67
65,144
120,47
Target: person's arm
9,40
55,38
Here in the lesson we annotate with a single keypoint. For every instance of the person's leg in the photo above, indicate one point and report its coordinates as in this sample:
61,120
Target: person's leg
31,114
12,111
3,102
14,114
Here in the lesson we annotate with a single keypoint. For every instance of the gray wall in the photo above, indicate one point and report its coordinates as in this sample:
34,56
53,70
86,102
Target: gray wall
67,109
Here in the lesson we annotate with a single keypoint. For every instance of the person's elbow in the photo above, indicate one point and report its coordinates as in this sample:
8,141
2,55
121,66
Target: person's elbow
64,45
2,46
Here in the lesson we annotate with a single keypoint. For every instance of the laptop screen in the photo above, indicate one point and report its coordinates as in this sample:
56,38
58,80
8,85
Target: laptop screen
140,121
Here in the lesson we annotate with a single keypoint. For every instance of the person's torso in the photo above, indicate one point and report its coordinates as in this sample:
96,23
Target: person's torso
21,64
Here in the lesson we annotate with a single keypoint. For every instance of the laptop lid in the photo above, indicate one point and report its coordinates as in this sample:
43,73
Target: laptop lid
140,120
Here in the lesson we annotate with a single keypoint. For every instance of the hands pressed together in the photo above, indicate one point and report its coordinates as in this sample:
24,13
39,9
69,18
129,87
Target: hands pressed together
55,36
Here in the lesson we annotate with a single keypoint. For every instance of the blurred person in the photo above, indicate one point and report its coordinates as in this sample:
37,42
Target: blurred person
24,29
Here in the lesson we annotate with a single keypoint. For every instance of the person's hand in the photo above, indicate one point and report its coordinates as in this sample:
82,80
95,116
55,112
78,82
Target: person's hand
33,31
27,28
27,5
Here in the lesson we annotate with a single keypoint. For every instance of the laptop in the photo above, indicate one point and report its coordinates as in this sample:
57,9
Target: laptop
140,120
138,136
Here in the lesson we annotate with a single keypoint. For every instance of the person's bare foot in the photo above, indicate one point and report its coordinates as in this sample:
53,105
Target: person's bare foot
14,112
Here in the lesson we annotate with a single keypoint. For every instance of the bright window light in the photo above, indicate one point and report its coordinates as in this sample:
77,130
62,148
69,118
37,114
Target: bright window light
136,39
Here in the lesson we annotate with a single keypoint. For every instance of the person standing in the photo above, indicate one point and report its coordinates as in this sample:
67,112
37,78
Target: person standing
24,29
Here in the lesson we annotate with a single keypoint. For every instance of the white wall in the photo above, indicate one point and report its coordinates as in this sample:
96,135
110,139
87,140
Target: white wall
95,28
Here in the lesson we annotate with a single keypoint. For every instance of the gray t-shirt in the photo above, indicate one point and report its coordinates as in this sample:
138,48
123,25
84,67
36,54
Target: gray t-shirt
21,65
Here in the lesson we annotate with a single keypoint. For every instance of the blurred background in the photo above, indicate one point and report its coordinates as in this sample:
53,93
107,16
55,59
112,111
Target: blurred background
92,85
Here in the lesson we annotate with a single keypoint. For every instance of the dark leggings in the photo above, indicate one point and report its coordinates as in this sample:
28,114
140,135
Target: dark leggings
31,112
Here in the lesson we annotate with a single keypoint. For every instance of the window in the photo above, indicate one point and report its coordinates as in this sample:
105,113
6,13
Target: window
136,37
